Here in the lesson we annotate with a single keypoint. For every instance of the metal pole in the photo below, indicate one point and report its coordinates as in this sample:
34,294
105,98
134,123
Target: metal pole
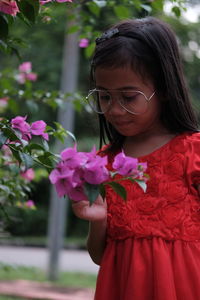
58,207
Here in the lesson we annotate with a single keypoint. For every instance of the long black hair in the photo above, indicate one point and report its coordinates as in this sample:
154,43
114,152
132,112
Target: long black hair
149,47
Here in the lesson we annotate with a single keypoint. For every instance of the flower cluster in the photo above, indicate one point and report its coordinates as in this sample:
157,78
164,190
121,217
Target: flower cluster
79,170
9,7
128,166
27,130
76,168
25,73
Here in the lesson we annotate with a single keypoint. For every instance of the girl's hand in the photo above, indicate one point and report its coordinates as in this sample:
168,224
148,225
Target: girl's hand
95,212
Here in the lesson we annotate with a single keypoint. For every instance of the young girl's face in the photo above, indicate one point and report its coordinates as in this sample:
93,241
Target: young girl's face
117,82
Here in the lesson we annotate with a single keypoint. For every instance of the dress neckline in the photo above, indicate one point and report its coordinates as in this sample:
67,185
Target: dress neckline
161,148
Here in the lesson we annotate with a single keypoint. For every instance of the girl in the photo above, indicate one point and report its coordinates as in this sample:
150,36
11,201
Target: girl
148,247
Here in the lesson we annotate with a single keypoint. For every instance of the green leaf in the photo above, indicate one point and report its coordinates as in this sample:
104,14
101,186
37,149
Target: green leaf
34,146
3,27
45,145
119,189
3,139
89,50
10,134
176,10
29,8
94,8
91,191
4,188
122,12
147,8
26,159
142,184
47,162
102,190
71,135
15,153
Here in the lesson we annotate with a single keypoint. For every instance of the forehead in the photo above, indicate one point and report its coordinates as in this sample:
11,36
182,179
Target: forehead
116,78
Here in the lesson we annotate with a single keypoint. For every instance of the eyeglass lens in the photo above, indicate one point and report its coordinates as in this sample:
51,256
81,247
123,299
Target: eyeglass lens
132,101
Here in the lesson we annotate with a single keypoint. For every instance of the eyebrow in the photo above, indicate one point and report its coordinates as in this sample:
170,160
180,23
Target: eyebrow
119,89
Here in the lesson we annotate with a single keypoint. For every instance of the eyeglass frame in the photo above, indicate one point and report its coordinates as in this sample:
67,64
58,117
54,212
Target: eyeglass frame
120,91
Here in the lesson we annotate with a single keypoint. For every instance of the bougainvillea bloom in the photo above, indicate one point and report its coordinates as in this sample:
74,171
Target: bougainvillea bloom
31,76
21,124
30,204
38,128
25,67
83,43
27,130
125,165
77,170
29,174
25,73
9,7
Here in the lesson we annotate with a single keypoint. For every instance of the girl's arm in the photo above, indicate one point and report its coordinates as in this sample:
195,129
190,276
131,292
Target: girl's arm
96,241
97,215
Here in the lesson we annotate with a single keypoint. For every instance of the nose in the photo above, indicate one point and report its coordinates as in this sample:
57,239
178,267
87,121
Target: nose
115,108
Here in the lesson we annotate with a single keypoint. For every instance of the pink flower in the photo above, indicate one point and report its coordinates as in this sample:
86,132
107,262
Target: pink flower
25,73
4,102
125,165
25,67
75,169
83,43
30,204
9,7
62,177
72,157
31,76
95,171
29,174
77,193
38,128
20,124
21,78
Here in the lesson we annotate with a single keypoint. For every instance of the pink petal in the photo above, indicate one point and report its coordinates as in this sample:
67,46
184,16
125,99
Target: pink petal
83,43
9,7
31,76
25,67
38,127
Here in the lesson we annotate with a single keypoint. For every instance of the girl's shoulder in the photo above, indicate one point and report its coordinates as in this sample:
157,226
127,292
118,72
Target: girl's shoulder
187,140
192,141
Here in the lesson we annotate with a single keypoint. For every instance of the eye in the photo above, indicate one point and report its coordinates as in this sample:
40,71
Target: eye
103,96
130,96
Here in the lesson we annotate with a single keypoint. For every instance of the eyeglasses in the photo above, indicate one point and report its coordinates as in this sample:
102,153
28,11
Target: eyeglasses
135,102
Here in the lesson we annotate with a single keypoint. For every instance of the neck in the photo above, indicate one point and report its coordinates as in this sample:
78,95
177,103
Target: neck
145,143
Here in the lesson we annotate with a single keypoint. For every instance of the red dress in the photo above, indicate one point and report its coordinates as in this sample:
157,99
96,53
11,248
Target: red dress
153,239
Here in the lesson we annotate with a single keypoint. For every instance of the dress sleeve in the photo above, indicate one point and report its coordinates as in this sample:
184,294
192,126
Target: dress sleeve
193,155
